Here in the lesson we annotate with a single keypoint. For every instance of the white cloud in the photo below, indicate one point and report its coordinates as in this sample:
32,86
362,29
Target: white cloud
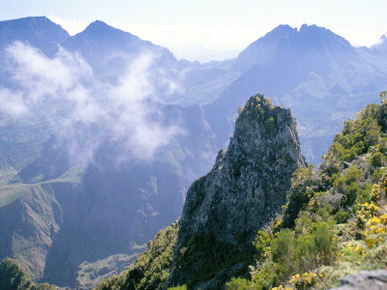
196,42
126,112
72,27
42,77
12,103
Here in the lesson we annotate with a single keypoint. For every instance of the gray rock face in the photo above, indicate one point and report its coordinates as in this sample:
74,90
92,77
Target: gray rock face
370,280
244,190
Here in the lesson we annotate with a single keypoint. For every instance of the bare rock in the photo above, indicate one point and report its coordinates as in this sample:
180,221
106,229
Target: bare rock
367,280
245,189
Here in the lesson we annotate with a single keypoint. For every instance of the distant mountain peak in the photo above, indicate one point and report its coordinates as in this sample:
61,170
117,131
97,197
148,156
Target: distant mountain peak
286,40
36,19
36,22
381,46
101,31
39,31
314,29
281,30
383,39
99,24
306,27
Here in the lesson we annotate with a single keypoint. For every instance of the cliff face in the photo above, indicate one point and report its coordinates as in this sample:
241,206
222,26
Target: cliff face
244,190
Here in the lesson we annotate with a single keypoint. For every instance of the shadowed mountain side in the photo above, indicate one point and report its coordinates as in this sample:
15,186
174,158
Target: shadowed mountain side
124,201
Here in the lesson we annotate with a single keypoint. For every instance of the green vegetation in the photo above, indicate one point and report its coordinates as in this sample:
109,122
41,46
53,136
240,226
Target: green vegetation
184,287
12,276
11,192
335,220
21,141
89,274
204,258
333,224
151,268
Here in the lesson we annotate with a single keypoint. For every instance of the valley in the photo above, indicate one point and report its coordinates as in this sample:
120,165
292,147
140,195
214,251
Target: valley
103,133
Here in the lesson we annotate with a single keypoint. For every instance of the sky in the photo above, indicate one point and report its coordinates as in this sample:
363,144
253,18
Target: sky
210,29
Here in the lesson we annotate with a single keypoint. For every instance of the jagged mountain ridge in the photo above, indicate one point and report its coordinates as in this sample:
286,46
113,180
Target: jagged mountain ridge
203,84
310,70
283,41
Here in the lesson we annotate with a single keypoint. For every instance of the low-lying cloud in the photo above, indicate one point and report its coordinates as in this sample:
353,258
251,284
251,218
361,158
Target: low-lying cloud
65,90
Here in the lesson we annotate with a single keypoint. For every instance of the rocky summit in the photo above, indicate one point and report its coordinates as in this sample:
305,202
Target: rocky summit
245,190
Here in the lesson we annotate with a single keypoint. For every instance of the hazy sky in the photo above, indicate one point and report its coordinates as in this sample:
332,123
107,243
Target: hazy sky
210,29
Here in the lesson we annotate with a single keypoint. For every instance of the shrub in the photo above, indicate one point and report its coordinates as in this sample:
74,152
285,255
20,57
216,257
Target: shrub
282,247
183,287
376,159
342,216
238,284
262,244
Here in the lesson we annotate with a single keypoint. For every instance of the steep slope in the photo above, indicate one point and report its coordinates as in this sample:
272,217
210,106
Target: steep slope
335,221
334,224
151,268
58,181
224,209
130,199
12,276
48,191
244,190
30,218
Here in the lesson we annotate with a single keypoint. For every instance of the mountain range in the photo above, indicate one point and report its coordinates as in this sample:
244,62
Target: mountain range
101,133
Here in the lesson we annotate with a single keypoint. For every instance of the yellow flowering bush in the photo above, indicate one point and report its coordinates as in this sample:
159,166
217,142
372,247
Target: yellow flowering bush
367,211
369,216
305,281
375,192
353,247
375,231
281,287
277,224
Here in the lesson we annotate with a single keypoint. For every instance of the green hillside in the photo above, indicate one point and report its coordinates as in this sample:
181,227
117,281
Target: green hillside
333,224
14,277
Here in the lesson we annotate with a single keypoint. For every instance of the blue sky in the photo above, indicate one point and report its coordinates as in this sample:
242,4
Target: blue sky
211,29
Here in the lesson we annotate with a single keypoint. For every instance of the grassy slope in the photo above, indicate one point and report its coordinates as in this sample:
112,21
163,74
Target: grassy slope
31,216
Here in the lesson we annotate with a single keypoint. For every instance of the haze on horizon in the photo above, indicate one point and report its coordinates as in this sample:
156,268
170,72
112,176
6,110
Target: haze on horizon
210,30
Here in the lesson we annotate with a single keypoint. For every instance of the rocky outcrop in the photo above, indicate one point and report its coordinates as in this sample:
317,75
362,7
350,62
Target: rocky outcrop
367,280
244,190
